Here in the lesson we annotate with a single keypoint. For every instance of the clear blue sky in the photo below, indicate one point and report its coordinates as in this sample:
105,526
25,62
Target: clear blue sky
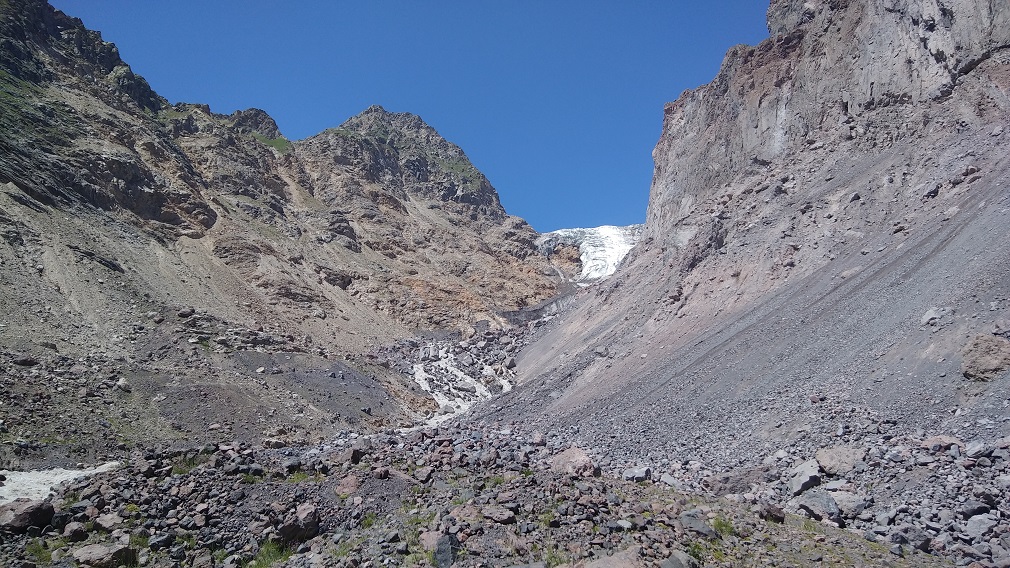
559,103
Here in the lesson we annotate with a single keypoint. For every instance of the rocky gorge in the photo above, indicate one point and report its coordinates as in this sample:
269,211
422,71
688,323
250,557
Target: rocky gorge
342,351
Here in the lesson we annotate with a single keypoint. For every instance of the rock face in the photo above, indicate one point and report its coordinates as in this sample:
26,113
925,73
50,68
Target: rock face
831,186
137,224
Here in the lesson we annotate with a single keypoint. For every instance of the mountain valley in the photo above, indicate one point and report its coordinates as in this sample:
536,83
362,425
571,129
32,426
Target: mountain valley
343,351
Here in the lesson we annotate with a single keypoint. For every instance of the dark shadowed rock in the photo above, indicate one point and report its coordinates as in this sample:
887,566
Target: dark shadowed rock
447,550
19,515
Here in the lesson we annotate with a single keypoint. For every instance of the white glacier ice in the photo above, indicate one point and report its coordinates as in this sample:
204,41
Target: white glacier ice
602,248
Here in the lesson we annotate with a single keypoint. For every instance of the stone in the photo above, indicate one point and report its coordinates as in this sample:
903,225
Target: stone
423,474
804,476
980,525
17,516
839,460
161,541
75,532
447,550
628,558
350,455
850,504
911,535
985,357
636,474
940,443
977,449
691,522
301,525
108,522
671,481
500,515
820,505
771,513
679,559
574,461
105,556
971,508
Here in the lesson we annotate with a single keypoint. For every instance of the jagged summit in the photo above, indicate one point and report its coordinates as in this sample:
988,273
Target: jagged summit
426,164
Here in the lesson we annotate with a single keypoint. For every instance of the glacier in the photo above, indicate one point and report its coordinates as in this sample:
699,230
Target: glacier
601,248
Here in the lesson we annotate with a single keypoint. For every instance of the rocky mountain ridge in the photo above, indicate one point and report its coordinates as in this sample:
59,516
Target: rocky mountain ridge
167,239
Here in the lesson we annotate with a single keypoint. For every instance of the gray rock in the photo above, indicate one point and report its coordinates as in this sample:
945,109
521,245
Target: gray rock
839,460
500,515
980,525
911,535
693,523
423,474
804,476
638,474
75,532
679,559
672,481
820,505
977,449
850,504
446,550
105,556
301,525
971,508
985,357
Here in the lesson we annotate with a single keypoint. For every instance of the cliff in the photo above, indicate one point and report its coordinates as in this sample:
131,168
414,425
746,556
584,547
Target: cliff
822,252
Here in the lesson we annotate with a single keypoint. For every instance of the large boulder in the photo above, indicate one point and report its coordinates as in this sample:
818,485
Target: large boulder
985,357
840,459
105,556
574,461
819,505
17,516
301,525
804,476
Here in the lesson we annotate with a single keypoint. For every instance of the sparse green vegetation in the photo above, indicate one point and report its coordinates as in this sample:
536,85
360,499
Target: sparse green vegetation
281,144
301,476
552,555
368,521
188,463
696,550
38,550
270,552
723,526
138,541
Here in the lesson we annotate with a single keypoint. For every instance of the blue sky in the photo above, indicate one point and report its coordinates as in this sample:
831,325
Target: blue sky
559,103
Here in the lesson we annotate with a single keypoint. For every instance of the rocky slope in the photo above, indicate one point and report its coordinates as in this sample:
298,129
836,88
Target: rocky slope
821,266
190,251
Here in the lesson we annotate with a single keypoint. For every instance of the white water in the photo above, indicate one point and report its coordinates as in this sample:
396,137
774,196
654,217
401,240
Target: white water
39,484
451,402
